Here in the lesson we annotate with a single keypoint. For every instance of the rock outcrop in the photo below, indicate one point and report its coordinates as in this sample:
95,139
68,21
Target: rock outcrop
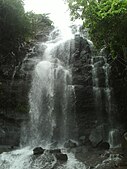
91,113
100,92
82,81
14,92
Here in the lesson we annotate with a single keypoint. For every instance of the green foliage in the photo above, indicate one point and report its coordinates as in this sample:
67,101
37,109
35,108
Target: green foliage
37,22
106,21
17,27
12,19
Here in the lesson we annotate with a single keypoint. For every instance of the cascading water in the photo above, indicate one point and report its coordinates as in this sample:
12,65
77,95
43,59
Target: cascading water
96,88
51,117
114,138
49,95
104,98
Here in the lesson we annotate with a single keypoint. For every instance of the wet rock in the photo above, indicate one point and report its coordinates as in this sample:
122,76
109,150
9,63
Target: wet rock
70,144
123,162
61,157
104,146
38,150
82,139
96,136
46,161
107,164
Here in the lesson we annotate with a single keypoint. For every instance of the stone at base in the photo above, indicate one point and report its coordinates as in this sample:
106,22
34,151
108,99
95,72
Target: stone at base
38,151
61,157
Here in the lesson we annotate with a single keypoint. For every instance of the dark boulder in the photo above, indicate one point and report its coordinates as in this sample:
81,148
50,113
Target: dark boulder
104,146
70,144
61,157
38,151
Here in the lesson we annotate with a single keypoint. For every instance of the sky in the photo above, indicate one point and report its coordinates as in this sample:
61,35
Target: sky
59,12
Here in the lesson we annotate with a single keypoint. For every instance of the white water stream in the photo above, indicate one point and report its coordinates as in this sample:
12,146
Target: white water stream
49,94
104,101
23,159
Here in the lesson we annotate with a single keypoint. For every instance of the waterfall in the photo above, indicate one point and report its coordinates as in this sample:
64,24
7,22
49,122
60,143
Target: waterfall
49,95
104,101
114,138
52,111
101,88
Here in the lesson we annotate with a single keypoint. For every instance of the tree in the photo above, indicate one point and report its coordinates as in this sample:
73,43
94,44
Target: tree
38,22
13,23
17,27
106,21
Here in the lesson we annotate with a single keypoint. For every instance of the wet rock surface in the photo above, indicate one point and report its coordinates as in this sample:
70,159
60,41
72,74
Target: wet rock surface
98,114
60,157
92,136
38,150
70,144
15,82
118,80
95,158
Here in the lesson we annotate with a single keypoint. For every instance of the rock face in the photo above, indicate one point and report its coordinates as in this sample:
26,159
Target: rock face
83,84
82,81
91,112
15,82
13,105
100,92
118,81
14,90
